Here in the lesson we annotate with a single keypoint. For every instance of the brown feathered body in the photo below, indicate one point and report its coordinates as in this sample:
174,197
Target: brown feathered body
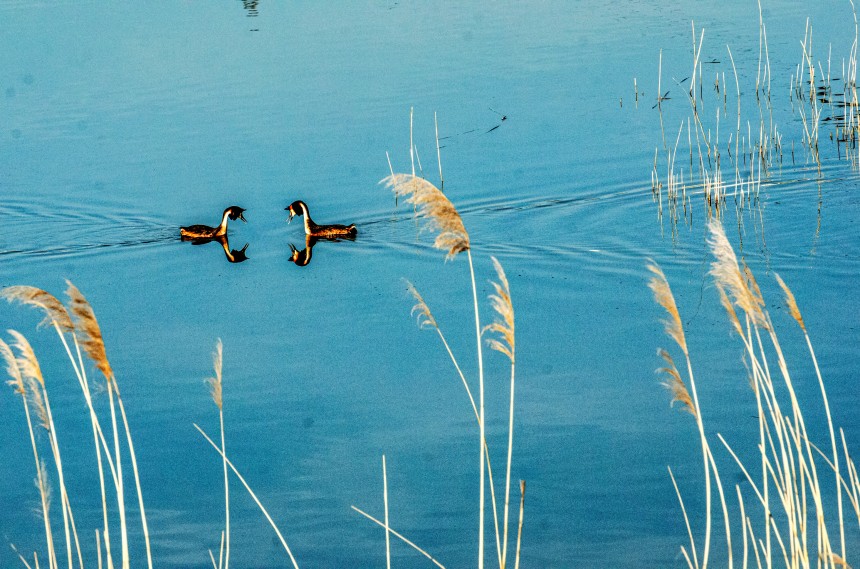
331,231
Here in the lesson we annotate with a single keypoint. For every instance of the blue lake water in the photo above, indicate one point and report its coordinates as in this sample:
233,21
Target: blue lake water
119,126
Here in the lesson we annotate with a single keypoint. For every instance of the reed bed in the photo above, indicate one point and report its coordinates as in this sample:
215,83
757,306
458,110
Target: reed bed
79,333
731,171
794,506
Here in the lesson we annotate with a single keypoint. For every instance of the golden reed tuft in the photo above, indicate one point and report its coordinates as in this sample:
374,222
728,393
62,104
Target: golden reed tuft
53,308
503,306
87,324
791,302
664,297
425,317
17,381
675,384
31,373
740,286
440,213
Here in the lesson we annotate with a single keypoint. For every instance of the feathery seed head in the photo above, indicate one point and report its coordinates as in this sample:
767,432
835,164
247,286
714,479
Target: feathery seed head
27,362
31,375
32,296
436,208
727,272
425,317
791,302
89,327
16,381
504,326
663,295
215,382
675,384
730,310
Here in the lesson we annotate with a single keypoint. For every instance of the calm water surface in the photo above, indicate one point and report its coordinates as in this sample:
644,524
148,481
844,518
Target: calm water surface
118,126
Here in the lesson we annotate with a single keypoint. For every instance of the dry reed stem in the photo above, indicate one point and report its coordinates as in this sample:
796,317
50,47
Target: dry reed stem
695,560
440,214
32,296
216,391
91,339
252,494
504,326
385,502
399,536
520,525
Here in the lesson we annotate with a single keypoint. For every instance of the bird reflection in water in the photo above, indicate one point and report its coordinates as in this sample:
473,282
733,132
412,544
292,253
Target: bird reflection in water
303,257
233,255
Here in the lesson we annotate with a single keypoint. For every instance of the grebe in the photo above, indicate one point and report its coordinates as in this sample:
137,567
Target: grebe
299,207
205,232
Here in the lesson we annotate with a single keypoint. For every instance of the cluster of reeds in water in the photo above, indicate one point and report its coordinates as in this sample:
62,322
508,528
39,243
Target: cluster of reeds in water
79,332
794,507
754,148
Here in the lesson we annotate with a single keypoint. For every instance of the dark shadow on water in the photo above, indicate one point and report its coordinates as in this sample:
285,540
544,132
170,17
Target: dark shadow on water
303,258
232,255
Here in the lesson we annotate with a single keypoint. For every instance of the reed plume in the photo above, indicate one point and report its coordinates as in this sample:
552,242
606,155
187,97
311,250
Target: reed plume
664,297
87,324
424,316
791,302
504,326
675,384
727,273
18,384
32,296
32,380
438,211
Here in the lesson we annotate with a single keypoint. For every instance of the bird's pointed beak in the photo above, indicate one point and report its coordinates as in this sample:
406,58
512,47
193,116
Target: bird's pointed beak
292,213
242,217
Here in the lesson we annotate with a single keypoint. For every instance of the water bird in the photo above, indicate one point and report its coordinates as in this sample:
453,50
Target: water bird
333,231
205,232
